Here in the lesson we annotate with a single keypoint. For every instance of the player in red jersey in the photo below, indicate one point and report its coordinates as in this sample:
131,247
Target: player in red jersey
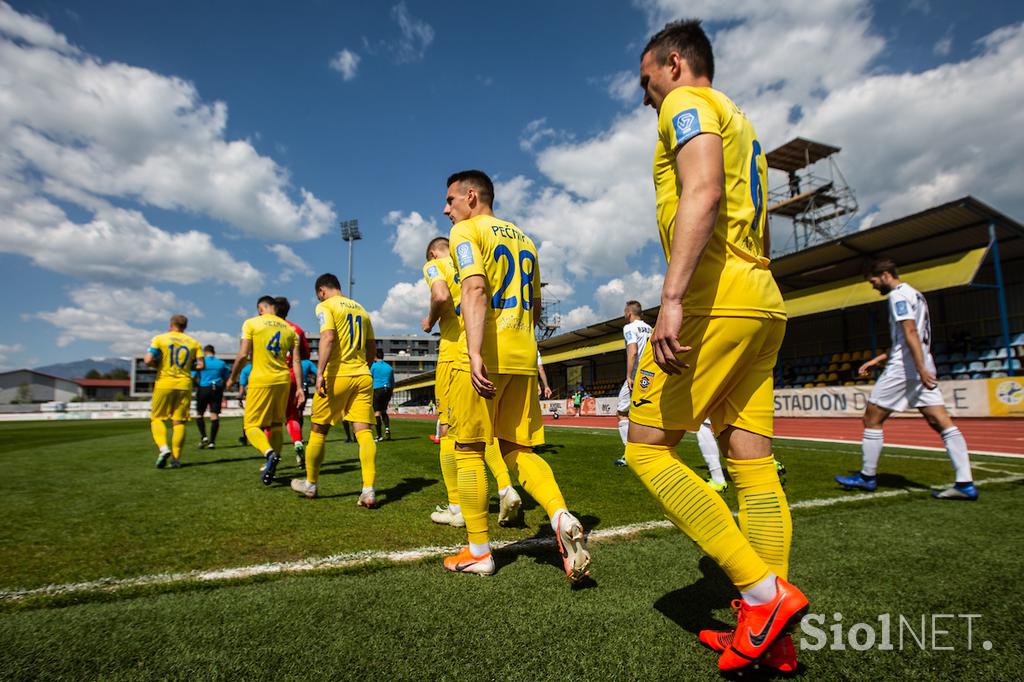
293,421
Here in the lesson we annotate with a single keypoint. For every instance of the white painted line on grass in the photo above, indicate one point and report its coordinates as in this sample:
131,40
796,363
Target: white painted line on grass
350,559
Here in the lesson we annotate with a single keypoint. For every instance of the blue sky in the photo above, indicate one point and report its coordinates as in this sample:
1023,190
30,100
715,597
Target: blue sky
191,157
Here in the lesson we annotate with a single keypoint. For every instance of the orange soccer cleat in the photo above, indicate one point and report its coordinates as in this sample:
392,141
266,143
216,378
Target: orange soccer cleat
465,562
781,655
434,439
759,626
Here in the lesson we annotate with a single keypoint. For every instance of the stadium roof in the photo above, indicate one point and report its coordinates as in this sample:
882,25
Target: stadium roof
919,237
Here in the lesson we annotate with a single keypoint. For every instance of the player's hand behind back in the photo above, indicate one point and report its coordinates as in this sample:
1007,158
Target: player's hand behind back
478,375
665,339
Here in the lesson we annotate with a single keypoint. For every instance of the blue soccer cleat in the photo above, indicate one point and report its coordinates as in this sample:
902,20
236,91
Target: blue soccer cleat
857,482
967,492
270,468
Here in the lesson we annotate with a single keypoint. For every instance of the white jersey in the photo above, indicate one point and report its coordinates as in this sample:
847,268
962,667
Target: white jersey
907,303
637,332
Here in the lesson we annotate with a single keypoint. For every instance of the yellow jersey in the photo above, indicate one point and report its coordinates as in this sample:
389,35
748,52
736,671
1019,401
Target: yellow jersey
507,260
272,340
177,353
732,278
453,333
351,323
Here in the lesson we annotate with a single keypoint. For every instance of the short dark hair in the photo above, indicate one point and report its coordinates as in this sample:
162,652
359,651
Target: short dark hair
179,322
478,180
635,308
208,348
882,265
434,243
283,307
688,39
380,354
328,281
267,300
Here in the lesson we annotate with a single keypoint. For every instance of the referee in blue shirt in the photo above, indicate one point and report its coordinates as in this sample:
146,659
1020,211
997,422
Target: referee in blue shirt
210,394
383,386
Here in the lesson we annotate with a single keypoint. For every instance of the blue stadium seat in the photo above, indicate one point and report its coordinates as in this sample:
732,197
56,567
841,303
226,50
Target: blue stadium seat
995,365
959,368
956,357
962,377
979,375
976,366
1018,340
998,375
990,353
972,356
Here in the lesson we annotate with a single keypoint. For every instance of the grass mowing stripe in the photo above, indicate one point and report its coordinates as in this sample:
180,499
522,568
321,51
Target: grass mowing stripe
405,556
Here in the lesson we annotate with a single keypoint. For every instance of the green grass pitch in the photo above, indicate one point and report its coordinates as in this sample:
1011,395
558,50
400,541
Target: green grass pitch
83,502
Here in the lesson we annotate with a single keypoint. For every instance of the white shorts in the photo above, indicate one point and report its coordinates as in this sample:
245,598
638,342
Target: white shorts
624,398
899,390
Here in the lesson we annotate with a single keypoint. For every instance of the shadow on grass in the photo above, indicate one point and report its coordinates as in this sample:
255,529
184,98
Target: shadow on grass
691,607
254,457
408,486
895,481
548,448
544,553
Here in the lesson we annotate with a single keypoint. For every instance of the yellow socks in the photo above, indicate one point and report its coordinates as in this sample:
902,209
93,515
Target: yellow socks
764,512
450,469
257,438
159,430
276,438
367,457
492,456
537,480
177,440
473,494
697,511
314,456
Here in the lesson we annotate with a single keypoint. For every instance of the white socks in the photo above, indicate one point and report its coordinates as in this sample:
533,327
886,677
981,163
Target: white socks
165,449
956,448
623,429
709,451
556,517
504,491
368,490
481,550
437,429
871,447
761,593
454,509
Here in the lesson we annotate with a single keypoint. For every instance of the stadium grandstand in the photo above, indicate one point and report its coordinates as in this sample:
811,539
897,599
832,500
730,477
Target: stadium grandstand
966,257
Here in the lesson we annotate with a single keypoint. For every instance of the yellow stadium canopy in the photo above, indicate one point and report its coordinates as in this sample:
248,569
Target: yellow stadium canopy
940,273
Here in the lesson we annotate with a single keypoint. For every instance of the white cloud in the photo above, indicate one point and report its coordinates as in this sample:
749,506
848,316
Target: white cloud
412,234
537,133
624,87
943,46
417,35
346,62
114,316
577,318
289,259
611,296
117,245
8,350
111,130
403,308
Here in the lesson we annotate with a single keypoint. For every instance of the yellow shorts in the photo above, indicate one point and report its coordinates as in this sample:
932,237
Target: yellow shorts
266,405
729,379
348,398
512,415
442,388
171,403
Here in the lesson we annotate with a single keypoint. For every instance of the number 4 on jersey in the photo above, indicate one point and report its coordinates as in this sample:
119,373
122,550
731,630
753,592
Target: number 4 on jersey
275,343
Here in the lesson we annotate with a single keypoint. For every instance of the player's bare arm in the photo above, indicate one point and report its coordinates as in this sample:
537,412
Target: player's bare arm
244,349
370,346
151,359
917,352
474,310
200,363
440,298
328,338
873,362
630,363
701,174
300,395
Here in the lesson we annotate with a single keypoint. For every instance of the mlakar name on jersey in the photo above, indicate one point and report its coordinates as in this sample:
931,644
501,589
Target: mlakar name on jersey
514,323
508,232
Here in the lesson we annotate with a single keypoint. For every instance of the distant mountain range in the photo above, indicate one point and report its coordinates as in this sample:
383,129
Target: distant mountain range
79,368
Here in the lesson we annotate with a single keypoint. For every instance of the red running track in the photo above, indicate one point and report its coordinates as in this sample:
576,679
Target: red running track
1003,436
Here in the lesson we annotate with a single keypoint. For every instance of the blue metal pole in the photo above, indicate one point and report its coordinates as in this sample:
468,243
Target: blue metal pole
1004,315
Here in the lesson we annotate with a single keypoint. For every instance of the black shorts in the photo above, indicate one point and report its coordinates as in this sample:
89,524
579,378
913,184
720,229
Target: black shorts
209,397
381,398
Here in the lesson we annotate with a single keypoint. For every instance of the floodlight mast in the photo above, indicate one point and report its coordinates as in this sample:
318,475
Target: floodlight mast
350,233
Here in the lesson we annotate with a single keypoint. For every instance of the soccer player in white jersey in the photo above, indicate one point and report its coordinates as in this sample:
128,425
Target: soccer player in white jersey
908,381
636,332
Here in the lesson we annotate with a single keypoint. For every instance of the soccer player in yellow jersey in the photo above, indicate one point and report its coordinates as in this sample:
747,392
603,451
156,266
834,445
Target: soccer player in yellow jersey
493,393
445,295
715,343
344,388
269,340
174,354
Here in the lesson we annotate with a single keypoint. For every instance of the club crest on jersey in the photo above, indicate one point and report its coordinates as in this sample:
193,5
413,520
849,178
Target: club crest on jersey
433,272
320,318
645,383
465,254
686,124
901,307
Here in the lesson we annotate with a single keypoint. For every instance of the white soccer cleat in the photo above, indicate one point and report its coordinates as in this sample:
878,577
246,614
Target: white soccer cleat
304,487
509,505
367,499
446,517
572,546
